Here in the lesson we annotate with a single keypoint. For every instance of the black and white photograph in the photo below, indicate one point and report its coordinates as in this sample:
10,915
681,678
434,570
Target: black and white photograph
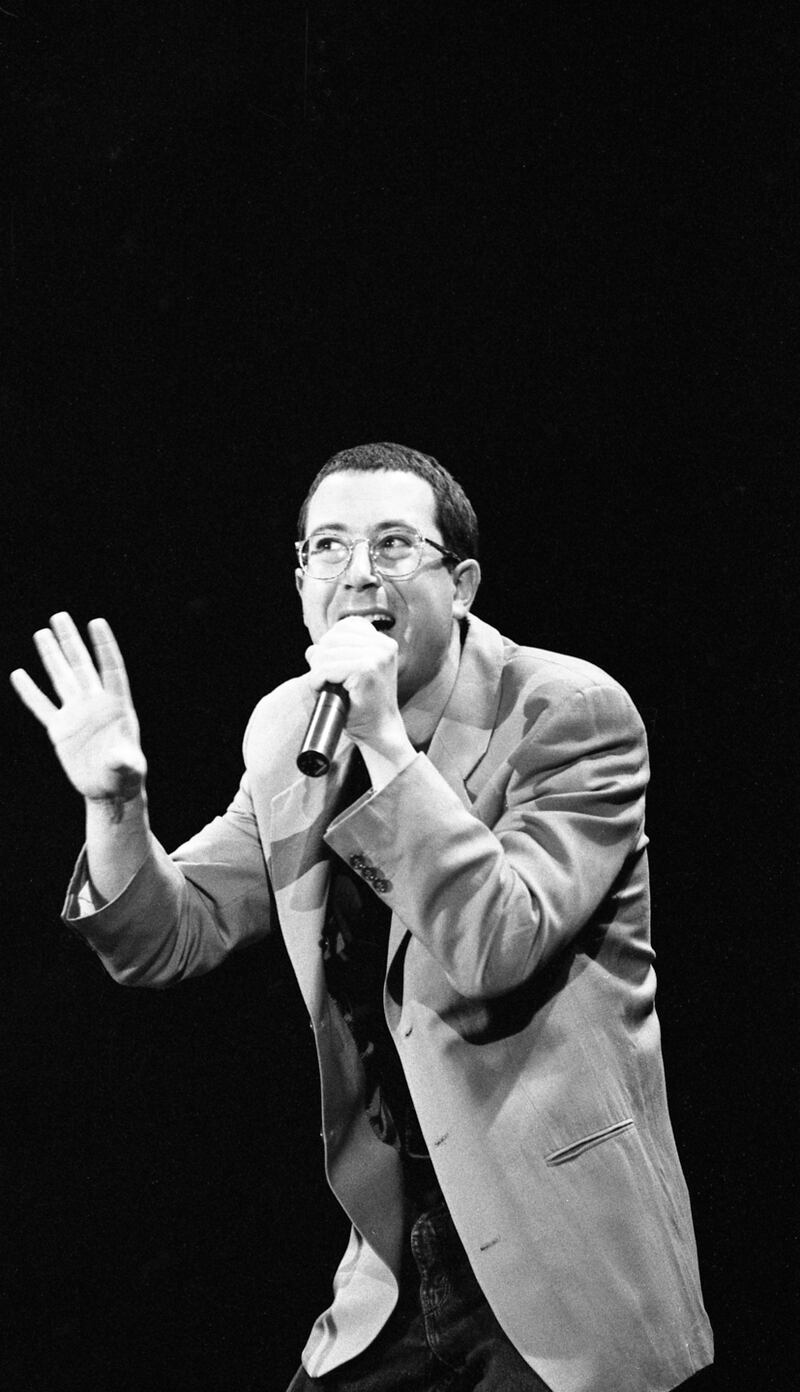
398,961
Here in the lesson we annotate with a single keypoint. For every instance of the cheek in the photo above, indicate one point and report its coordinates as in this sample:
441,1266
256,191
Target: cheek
313,615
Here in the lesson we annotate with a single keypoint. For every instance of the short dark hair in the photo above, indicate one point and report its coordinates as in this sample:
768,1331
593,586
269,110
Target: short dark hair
454,514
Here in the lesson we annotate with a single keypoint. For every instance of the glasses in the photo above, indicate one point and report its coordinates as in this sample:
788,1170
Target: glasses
395,552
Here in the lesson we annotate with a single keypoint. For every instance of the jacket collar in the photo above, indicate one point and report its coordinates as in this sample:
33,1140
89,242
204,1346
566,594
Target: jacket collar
463,733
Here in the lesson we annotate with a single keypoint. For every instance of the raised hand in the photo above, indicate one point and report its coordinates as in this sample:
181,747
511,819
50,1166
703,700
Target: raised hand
94,731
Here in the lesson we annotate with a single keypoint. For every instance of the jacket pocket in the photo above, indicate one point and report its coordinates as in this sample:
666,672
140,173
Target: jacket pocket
570,1152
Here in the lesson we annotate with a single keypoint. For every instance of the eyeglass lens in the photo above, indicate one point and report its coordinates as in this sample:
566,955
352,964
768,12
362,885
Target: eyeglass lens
396,551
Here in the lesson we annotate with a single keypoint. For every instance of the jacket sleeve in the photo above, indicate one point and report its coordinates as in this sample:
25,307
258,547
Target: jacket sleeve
494,902
180,915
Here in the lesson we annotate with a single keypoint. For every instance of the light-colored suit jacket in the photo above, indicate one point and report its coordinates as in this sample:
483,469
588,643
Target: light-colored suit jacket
519,993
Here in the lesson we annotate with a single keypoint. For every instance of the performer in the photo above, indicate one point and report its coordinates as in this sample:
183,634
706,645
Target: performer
464,898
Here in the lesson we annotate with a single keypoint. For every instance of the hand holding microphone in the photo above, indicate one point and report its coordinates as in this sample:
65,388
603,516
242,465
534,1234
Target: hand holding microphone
354,667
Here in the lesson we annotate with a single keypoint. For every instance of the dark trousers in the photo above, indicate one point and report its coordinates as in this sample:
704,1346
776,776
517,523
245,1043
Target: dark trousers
442,1337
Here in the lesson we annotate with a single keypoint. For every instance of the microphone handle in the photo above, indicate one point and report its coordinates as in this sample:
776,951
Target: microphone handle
324,728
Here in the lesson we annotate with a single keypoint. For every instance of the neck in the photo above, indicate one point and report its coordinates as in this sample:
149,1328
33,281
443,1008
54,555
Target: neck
422,712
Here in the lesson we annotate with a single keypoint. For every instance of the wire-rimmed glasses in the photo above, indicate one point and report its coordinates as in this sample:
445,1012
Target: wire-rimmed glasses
394,552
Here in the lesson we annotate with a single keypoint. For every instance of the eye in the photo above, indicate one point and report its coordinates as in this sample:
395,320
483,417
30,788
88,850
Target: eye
326,544
395,543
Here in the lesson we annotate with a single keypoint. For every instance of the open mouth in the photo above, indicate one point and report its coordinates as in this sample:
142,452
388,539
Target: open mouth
379,620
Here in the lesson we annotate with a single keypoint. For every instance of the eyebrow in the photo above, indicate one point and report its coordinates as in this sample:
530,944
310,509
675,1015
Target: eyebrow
379,526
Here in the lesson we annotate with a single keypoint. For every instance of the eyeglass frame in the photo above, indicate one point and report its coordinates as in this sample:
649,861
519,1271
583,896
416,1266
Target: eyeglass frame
352,542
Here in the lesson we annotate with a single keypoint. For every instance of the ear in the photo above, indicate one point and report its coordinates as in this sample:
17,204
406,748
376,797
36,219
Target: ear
466,579
298,581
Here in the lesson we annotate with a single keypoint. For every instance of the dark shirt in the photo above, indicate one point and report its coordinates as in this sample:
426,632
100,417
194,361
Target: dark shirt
354,948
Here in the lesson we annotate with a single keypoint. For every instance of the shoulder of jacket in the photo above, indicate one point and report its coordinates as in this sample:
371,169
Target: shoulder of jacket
279,717
545,680
538,666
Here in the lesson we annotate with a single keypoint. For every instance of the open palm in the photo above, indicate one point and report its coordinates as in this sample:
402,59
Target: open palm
94,731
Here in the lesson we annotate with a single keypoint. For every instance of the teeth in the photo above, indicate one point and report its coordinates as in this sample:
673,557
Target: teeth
382,621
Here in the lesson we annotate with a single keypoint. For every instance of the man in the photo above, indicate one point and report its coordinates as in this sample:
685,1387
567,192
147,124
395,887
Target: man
464,899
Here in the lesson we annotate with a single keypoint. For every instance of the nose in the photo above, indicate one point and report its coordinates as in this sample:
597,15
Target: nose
360,573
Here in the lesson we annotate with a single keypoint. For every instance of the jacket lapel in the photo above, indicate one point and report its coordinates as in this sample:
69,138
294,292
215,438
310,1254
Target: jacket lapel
300,869
463,733
462,736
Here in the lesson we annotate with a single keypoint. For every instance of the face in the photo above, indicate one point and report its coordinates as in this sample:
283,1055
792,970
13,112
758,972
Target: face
422,611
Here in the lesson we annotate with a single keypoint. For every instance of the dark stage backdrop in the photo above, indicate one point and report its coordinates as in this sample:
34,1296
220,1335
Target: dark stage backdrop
547,244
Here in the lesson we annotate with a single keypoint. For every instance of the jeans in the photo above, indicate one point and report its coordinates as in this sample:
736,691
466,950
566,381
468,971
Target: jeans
441,1337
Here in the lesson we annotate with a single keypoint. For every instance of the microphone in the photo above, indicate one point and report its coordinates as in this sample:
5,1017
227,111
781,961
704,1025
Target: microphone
324,728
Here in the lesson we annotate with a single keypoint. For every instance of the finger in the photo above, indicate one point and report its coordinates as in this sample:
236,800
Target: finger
349,671
74,650
29,693
343,659
109,659
356,635
339,656
55,664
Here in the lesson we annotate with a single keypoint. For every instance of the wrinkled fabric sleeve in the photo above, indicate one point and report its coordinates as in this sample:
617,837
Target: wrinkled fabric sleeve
494,903
180,915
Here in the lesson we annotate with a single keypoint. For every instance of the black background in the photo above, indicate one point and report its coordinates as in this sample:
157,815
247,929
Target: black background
549,245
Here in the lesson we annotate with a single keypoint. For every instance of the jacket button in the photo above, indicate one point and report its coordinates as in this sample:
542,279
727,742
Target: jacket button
358,861
381,886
